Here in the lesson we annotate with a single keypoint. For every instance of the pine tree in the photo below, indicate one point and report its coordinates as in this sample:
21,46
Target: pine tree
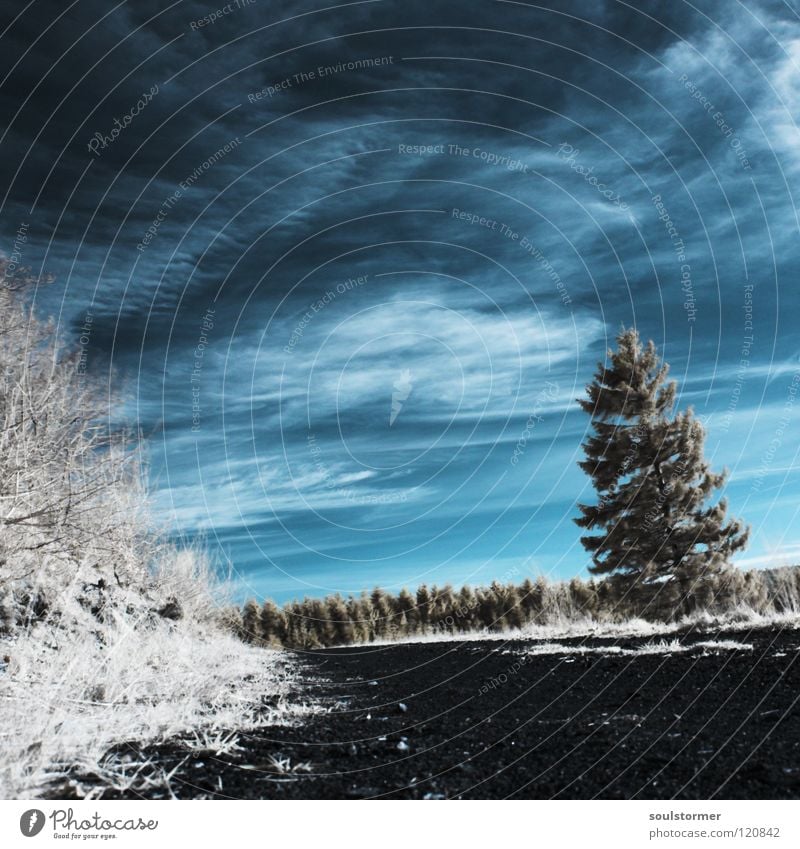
465,611
318,623
512,607
407,612
355,614
380,612
423,605
583,598
527,599
251,622
486,608
647,466
341,624
273,624
442,600
295,625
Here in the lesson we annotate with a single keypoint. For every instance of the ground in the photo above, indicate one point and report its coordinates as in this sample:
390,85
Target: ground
711,715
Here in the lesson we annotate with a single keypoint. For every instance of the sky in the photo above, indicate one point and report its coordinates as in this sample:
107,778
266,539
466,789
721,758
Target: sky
352,264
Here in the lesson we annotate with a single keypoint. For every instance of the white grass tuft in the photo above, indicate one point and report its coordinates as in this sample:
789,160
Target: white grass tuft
213,741
661,647
67,698
284,766
740,619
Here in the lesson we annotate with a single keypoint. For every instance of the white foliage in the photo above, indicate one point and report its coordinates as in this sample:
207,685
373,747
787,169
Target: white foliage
108,635
67,698
661,647
740,619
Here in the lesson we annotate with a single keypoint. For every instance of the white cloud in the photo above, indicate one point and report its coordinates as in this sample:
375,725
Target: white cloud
462,364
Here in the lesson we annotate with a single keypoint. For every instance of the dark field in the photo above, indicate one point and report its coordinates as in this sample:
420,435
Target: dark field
483,720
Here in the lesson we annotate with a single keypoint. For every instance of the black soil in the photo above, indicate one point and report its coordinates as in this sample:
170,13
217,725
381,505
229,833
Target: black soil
484,719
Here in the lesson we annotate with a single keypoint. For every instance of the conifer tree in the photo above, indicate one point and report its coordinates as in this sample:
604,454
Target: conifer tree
342,625
273,624
407,612
465,610
365,616
295,624
443,603
380,612
423,605
530,596
355,614
512,608
653,482
319,625
251,622
486,607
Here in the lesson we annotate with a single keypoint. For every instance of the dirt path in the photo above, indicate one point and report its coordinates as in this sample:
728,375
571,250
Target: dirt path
493,720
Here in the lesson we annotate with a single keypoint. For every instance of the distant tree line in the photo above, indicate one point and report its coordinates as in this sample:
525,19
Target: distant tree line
338,621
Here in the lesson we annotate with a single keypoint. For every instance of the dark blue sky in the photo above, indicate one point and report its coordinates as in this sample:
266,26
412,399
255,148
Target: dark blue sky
402,235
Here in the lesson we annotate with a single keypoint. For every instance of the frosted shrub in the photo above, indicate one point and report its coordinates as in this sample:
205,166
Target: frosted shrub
108,635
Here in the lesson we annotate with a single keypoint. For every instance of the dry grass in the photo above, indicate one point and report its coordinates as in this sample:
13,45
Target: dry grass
69,696
740,619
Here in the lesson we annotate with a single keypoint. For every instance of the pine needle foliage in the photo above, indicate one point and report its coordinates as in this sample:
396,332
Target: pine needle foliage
656,517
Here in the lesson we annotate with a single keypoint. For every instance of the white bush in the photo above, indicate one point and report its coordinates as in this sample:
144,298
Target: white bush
67,698
108,635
